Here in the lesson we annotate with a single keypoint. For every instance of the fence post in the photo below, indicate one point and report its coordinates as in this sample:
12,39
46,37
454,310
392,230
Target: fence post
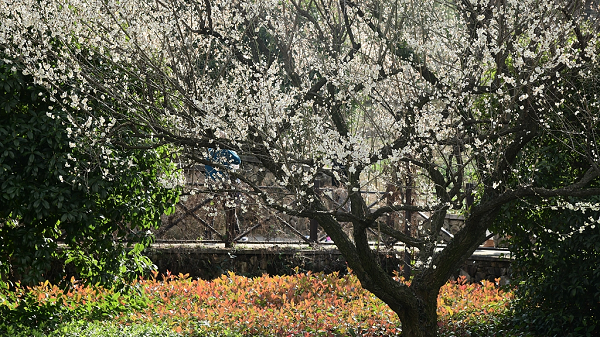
314,224
230,225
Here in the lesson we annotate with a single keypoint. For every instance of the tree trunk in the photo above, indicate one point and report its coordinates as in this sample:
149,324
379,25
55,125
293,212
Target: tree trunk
415,305
421,322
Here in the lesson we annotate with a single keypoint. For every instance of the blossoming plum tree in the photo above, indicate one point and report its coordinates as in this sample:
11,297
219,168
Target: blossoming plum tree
456,89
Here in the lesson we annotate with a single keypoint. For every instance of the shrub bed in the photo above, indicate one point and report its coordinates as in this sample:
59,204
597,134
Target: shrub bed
232,305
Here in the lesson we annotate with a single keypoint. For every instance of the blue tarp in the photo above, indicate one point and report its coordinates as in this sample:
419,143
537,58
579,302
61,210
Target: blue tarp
226,158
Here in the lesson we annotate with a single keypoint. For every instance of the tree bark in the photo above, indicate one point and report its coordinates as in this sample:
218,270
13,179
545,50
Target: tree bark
423,321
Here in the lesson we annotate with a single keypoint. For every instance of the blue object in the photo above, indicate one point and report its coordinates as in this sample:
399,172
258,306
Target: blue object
226,158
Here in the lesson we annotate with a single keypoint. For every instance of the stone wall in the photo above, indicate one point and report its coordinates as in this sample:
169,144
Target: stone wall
476,269
202,261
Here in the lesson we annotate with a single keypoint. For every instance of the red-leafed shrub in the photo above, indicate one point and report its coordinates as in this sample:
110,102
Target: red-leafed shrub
298,305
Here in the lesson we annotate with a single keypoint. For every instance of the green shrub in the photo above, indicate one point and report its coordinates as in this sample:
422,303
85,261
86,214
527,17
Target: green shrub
102,217
19,330
556,250
109,329
556,272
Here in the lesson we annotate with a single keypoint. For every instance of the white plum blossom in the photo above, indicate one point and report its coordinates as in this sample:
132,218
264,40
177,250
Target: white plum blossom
424,95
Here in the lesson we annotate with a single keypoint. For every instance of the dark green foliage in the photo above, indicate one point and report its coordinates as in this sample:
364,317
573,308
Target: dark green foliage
20,330
53,191
556,247
559,279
